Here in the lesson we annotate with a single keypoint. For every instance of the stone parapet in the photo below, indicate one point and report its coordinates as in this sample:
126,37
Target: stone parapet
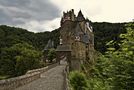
31,75
66,79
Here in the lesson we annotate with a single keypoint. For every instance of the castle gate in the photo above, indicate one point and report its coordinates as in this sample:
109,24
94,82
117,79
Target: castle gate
63,51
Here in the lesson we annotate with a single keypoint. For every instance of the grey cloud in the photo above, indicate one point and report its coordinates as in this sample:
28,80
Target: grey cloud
21,11
4,17
15,3
12,17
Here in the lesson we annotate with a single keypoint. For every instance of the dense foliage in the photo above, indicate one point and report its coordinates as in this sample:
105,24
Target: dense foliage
19,58
11,35
105,32
78,80
51,55
115,69
20,50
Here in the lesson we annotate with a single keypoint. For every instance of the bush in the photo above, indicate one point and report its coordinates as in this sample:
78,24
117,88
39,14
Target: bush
98,84
78,80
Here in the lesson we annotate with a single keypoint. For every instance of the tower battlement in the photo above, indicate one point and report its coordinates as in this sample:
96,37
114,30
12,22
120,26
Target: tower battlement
70,16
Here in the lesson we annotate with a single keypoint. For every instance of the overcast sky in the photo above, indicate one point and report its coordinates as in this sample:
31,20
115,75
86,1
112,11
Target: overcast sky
44,15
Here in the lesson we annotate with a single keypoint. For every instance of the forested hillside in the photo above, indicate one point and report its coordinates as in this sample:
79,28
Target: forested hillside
20,50
105,32
13,35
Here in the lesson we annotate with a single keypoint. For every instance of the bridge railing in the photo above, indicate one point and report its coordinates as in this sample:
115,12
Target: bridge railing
31,75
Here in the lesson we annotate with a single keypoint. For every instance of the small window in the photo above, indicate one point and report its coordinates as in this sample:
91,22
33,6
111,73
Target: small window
86,45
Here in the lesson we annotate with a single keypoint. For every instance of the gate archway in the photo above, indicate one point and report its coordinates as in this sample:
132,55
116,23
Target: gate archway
63,51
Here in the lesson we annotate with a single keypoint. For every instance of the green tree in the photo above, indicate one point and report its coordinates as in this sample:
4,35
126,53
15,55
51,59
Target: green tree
19,58
116,67
51,54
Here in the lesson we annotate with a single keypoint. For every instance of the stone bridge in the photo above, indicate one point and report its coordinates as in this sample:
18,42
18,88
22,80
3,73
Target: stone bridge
53,77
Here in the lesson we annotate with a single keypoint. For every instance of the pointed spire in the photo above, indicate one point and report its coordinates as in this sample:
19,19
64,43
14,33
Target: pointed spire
50,44
80,16
80,13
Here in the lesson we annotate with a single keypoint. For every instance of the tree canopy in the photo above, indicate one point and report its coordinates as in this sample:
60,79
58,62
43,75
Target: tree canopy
18,59
115,69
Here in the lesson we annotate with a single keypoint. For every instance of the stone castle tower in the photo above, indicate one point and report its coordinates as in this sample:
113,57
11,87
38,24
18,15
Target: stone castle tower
76,39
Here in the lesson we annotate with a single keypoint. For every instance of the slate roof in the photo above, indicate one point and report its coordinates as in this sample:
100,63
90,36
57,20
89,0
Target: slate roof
78,30
84,37
49,45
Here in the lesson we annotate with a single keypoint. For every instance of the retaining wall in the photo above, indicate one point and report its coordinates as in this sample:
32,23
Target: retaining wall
12,83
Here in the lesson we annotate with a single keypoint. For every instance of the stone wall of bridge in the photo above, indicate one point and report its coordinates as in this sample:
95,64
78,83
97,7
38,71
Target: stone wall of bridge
66,78
31,75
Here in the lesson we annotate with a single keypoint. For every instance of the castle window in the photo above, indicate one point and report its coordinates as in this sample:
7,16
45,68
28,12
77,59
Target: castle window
77,38
61,41
86,45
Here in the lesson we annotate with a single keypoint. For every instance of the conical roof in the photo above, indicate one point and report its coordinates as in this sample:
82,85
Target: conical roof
49,45
80,16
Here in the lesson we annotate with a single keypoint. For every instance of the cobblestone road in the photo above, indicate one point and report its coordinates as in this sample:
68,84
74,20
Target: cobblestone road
53,79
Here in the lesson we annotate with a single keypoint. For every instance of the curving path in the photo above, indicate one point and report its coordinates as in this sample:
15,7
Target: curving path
52,79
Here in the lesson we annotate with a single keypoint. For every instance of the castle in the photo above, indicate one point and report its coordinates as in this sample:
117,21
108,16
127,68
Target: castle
76,39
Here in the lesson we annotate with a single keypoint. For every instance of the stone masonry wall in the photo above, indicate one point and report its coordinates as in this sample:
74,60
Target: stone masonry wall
12,83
